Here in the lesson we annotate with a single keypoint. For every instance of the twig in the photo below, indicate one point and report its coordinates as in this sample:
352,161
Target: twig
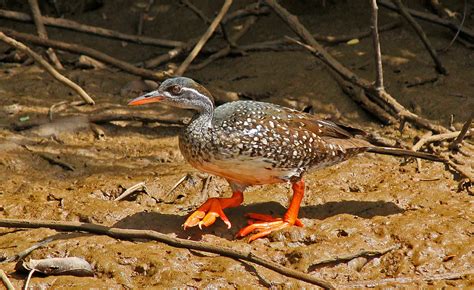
405,280
460,170
137,187
403,11
205,37
35,10
227,50
6,281
79,49
446,136
382,98
465,31
417,147
440,137
143,15
104,32
30,274
171,54
51,160
253,9
348,257
26,252
20,46
464,130
129,234
178,183
107,116
358,96
284,43
376,43
464,16
196,11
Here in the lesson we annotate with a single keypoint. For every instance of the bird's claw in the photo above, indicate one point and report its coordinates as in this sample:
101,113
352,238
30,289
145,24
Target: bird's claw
207,214
264,225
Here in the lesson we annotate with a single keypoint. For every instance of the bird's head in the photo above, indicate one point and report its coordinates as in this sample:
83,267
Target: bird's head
178,92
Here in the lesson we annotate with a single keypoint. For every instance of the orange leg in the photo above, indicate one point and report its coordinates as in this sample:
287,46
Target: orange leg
270,224
207,213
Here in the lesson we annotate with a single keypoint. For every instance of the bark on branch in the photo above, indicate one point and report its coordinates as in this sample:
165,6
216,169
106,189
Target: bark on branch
20,46
104,32
382,98
129,234
205,37
35,10
79,49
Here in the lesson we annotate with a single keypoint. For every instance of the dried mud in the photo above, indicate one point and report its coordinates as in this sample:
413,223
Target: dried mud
419,221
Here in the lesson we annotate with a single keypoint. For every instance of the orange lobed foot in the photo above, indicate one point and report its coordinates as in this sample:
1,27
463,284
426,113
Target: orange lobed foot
264,225
207,214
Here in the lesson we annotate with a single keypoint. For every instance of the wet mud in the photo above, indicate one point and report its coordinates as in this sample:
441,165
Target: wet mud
418,222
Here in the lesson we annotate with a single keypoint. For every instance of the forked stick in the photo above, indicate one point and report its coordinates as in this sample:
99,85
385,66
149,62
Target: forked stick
53,72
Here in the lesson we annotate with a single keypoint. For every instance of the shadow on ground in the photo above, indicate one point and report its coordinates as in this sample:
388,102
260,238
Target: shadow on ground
172,223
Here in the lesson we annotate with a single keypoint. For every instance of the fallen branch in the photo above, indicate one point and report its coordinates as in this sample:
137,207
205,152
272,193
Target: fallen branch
405,280
173,53
26,252
130,234
282,44
358,96
426,139
253,9
104,32
463,133
382,98
79,49
35,10
440,137
228,49
376,43
20,46
426,42
464,31
205,37
348,257
134,188
464,16
6,281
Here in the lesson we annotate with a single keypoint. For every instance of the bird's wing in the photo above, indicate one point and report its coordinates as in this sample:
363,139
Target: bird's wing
329,131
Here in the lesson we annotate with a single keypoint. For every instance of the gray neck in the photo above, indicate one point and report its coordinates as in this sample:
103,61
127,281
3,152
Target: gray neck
203,118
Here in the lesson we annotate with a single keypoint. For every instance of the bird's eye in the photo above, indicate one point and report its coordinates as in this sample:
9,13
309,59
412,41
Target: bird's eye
175,90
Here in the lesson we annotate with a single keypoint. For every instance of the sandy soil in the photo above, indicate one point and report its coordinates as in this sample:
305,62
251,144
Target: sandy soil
369,203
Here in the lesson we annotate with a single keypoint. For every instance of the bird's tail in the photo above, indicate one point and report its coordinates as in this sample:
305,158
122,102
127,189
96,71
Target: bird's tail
404,152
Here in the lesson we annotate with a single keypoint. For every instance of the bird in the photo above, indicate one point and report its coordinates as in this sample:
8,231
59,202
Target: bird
256,143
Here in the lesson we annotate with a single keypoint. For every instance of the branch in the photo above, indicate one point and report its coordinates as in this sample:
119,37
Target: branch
440,137
79,49
382,98
129,234
104,32
205,37
463,133
466,32
228,49
35,10
376,43
173,53
403,11
62,79
6,281
253,9
405,280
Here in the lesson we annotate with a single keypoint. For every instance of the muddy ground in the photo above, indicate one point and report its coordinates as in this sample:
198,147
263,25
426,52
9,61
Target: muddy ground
420,222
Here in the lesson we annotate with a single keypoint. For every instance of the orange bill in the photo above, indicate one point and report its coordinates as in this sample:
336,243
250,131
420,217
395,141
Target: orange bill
151,97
